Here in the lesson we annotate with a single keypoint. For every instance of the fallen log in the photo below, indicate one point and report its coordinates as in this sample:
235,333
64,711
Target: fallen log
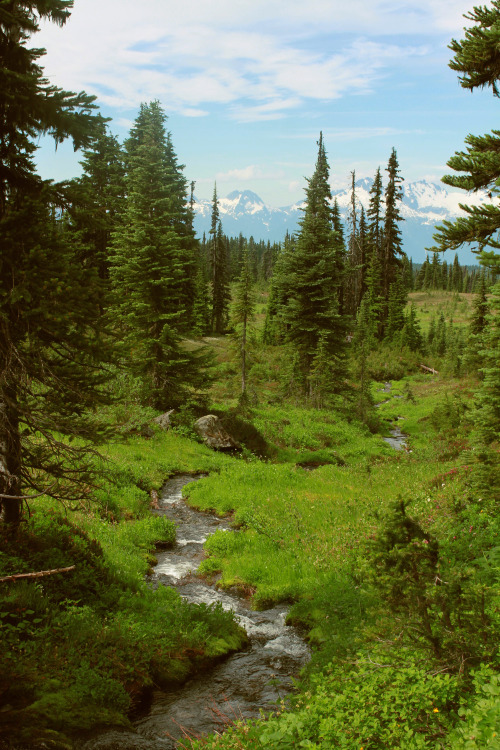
429,369
38,574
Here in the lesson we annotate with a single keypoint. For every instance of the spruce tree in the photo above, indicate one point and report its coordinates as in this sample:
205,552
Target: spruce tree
97,203
392,250
478,167
315,328
152,265
473,354
486,415
375,215
51,352
219,270
340,256
362,344
279,294
242,313
476,59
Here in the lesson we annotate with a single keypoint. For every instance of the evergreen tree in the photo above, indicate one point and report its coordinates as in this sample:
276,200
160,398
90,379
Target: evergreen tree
456,275
97,202
51,351
340,256
154,255
362,344
486,415
476,58
242,313
411,333
439,343
395,309
315,328
375,217
218,262
374,294
281,291
353,286
473,356
392,245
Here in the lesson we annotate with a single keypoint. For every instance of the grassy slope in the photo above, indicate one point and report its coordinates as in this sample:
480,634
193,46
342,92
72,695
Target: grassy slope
303,537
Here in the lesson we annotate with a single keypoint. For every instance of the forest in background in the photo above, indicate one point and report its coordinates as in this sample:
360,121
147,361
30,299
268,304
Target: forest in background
112,312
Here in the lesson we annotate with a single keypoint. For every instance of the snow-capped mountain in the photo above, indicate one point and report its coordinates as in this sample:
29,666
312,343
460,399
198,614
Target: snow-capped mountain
424,205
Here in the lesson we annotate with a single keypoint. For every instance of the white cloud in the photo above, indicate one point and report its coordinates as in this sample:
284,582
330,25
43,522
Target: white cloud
249,173
260,59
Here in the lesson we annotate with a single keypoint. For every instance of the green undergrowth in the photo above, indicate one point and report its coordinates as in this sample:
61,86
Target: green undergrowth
80,647
390,563
389,560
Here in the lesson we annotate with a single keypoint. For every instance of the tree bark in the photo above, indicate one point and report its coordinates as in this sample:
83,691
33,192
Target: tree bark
10,460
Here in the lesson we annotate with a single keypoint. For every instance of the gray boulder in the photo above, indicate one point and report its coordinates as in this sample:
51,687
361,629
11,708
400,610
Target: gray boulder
164,420
213,434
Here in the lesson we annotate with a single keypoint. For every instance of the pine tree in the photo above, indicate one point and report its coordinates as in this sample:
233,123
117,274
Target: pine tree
51,352
315,328
153,258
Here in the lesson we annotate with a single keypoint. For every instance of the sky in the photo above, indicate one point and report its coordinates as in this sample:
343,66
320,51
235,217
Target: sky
248,86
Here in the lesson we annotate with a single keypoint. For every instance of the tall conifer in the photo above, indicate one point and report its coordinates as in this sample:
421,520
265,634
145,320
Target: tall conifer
219,270
51,353
315,328
153,263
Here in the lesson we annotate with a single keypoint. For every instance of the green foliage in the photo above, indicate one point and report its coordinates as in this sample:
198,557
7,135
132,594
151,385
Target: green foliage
153,266
315,328
480,724
475,59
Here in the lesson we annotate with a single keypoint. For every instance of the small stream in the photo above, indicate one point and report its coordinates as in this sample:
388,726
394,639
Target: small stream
398,439
240,686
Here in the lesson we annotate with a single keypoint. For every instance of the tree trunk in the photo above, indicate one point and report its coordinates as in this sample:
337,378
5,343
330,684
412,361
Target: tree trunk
243,357
10,460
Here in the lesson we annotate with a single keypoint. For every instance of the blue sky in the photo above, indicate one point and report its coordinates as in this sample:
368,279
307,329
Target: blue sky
248,86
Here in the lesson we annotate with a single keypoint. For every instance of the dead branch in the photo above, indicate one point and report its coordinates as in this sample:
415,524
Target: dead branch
38,574
23,497
429,369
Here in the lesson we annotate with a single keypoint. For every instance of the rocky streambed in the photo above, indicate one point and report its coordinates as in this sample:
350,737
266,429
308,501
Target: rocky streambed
239,687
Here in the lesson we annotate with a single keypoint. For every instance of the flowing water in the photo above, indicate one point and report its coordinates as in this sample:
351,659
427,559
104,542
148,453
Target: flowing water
242,684
398,438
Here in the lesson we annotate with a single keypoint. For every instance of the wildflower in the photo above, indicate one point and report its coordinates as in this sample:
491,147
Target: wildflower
436,711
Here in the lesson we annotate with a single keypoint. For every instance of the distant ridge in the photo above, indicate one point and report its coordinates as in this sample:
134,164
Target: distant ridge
425,204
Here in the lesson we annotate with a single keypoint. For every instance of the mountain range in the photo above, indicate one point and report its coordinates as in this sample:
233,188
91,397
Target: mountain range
424,205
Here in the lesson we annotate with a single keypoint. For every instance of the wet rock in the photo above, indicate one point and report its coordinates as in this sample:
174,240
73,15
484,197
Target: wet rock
213,434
